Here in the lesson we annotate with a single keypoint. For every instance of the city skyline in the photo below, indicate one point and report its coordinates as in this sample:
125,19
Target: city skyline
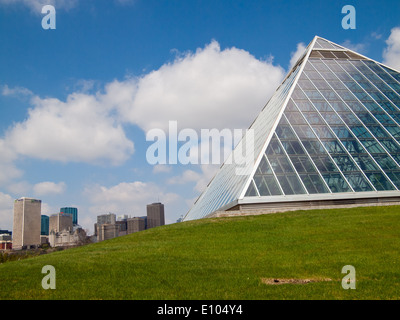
76,102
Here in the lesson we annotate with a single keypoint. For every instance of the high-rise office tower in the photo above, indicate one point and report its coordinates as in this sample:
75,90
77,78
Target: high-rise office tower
44,230
106,227
155,215
72,211
60,222
27,223
136,224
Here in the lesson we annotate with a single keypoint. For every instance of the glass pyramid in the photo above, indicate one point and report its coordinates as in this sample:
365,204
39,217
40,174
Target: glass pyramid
331,131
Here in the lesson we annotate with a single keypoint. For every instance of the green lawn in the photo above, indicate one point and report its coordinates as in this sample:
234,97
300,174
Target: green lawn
227,258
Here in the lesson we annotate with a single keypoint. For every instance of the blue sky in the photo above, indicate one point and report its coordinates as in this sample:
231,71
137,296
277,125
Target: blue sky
76,102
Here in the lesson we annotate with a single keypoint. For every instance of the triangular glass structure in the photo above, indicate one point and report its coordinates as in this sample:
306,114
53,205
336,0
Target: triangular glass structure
331,132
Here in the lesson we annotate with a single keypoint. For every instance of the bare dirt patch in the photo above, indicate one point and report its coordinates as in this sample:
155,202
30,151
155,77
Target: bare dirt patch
278,281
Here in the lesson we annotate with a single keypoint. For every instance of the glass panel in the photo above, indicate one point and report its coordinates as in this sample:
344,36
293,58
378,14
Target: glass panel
323,132
302,164
267,185
328,54
324,163
379,181
336,183
284,171
372,146
261,186
385,162
313,118
393,73
333,146
263,167
251,191
295,184
279,164
320,84
358,182
321,43
395,177
313,95
314,183
290,184
287,189
365,163
344,163
331,118
340,55
298,94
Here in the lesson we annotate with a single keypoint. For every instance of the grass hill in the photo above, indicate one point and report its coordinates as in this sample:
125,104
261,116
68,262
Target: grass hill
228,258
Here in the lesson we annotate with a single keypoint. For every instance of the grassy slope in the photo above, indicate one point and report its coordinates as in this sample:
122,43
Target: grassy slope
226,258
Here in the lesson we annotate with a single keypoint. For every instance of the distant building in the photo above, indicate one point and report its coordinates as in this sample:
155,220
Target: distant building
67,238
155,215
109,225
122,227
122,217
136,224
2,231
109,218
59,222
105,233
44,228
27,223
72,211
5,241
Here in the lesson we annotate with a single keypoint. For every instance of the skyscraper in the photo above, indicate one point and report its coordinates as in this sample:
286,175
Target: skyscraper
59,222
44,229
106,227
155,215
136,224
72,211
27,223
330,135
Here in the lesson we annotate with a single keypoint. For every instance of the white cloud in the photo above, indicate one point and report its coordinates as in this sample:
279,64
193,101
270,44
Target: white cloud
161,168
19,188
187,176
46,209
391,54
8,170
295,55
6,211
81,129
201,178
48,187
376,35
16,91
211,88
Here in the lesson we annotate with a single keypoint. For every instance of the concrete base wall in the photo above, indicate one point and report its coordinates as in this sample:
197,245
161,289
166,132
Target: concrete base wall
268,208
